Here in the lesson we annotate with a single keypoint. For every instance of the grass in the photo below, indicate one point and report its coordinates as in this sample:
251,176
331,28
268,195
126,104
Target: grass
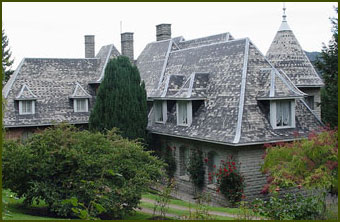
182,212
192,205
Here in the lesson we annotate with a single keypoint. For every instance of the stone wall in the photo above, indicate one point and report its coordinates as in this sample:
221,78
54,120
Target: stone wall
250,158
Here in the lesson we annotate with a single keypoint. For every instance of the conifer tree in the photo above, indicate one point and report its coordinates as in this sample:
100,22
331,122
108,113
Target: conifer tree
6,58
328,66
121,101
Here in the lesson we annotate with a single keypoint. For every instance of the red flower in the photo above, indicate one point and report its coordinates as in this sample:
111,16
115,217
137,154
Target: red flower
214,166
233,163
225,170
206,160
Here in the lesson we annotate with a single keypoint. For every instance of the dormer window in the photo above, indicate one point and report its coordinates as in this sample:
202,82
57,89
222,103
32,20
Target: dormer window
160,108
282,114
81,105
26,99
80,99
26,107
184,113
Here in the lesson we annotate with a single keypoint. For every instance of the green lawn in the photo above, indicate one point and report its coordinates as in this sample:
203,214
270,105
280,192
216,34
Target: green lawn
192,205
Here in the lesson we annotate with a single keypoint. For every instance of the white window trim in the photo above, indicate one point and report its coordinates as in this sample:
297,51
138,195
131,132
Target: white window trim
75,106
26,113
273,115
164,111
189,113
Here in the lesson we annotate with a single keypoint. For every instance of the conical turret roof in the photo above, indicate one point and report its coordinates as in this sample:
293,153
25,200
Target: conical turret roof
286,53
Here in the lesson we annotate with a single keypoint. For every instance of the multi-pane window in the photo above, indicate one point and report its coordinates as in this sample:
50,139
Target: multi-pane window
80,105
26,107
213,166
282,113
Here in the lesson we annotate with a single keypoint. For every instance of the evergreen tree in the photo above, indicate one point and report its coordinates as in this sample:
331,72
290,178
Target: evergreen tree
327,63
6,58
121,101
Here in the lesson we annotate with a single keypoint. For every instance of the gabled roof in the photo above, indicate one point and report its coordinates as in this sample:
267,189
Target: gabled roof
230,113
286,53
79,92
25,94
53,81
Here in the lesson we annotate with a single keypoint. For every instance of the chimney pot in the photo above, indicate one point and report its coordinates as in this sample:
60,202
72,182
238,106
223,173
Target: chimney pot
163,32
127,45
89,46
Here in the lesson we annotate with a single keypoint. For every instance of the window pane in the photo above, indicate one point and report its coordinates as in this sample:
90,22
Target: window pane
158,111
182,113
81,105
283,113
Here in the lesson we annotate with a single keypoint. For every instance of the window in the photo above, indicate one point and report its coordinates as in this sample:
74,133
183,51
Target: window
310,101
184,113
80,105
160,111
26,107
282,114
213,166
184,161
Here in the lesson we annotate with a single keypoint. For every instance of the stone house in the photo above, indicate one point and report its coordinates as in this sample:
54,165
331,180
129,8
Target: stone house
217,93
223,96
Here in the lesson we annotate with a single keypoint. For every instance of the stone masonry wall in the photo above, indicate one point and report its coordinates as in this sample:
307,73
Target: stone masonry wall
250,158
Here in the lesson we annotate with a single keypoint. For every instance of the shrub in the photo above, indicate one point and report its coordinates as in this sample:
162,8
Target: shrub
230,181
289,207
62,163
196,168
310,163
169,159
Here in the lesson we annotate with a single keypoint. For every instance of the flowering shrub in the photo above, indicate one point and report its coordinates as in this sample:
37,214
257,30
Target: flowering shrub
230,182
309,163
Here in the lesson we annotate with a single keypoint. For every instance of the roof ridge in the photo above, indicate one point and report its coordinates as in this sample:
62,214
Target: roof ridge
242,94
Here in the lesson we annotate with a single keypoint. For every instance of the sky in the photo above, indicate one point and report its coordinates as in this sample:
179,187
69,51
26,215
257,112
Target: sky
57,29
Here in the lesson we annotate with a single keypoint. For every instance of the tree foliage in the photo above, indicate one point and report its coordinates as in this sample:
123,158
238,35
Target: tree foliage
7,61
103,172
309,163
121,101
170,160
327,63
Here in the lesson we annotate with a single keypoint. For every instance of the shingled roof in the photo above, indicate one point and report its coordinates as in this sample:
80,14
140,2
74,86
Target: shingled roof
53,82
286,53
229,110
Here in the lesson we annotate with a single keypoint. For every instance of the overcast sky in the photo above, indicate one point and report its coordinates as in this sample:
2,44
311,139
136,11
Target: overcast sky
56,30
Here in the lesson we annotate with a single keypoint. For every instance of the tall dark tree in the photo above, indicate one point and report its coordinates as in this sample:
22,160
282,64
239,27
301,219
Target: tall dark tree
327,63
121,101
6,58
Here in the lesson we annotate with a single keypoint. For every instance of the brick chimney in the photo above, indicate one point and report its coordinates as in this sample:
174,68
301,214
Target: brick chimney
163,32
89,46
127,45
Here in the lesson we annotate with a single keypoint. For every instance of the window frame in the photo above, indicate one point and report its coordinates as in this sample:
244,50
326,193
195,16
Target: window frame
75,105
273,111
21,105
